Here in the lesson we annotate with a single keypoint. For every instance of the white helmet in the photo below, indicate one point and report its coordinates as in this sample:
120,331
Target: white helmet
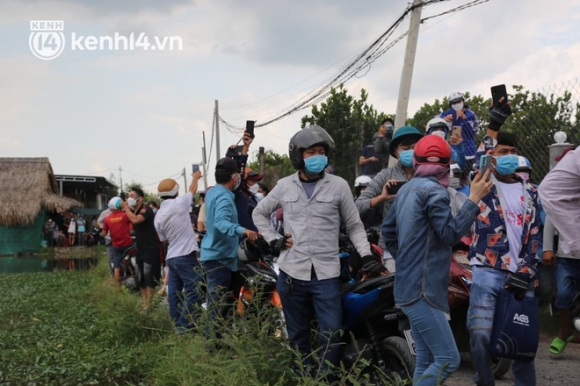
115,203
456,96
362,181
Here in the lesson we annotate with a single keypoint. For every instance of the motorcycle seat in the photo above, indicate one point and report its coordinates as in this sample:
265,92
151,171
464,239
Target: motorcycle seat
360,287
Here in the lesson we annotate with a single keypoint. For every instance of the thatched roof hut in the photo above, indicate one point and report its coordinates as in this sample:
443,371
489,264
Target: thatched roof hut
29,186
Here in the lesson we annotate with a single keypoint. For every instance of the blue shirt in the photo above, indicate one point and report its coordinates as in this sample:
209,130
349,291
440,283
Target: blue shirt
419,231
223,231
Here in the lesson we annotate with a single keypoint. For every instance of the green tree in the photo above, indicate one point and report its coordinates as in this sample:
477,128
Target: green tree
276,166
148,196
351,123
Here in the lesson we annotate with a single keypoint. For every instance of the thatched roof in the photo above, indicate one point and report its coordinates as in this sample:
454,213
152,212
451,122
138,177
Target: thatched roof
28,185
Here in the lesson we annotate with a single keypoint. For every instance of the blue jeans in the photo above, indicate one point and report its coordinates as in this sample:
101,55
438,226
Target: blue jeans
184,276
218,278
437,354
487,283
567,275
299,300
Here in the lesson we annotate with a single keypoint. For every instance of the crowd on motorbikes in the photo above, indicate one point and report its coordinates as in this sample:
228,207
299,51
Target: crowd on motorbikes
428,243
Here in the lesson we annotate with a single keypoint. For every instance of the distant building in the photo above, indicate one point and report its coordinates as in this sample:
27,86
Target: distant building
29,193
93,192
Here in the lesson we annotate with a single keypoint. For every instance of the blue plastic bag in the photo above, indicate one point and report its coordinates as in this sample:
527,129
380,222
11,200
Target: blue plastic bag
516,328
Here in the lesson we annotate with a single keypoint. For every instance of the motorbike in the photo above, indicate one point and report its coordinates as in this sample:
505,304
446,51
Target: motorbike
375,329
129,270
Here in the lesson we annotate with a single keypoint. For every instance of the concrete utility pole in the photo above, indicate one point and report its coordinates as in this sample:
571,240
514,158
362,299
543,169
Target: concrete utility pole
261,159
217,132
407,74
121,180
204,162
184,181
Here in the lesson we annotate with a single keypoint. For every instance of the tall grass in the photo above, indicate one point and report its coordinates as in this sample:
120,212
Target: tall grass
74,328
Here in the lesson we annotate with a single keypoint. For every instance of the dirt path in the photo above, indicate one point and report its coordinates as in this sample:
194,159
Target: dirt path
563,371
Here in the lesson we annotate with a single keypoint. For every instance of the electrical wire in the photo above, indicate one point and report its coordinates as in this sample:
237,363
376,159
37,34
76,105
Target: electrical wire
352,69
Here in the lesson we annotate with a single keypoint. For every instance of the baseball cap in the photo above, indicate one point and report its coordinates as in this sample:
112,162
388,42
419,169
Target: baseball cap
249,174
226,165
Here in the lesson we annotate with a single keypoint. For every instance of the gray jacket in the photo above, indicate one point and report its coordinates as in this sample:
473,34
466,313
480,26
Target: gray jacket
370,216
313,223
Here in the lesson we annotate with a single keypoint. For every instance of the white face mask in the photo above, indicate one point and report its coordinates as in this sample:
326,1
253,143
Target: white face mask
254,188
439,133
454,183
457,106
258,196
132,202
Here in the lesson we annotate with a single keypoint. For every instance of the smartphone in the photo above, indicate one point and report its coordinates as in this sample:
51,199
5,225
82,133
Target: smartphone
122,196
395,188
250,128
484,163
497,92
195,168
456,130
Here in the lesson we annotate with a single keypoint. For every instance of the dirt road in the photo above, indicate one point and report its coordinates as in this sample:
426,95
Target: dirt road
563,371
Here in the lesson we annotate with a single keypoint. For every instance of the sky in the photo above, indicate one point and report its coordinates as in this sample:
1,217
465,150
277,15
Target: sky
93,111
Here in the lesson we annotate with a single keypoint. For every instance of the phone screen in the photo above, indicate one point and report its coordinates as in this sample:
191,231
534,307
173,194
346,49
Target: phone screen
250,128
195,168
484,163
395,188
497,92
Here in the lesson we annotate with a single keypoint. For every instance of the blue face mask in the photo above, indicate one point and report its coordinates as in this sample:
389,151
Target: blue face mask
406,158
315,164
506,164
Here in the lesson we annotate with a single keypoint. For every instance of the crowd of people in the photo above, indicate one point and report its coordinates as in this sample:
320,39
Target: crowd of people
434,199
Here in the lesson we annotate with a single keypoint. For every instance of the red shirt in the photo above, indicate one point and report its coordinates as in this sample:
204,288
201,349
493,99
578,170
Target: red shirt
119,227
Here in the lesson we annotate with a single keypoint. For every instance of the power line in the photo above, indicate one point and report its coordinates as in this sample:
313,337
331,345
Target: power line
363,60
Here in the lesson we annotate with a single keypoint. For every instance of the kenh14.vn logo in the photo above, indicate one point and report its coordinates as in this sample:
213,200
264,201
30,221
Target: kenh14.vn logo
47,41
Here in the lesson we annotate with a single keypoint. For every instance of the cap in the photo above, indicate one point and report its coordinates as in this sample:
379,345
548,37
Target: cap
168,188
249,174
566,150
432,149
226,165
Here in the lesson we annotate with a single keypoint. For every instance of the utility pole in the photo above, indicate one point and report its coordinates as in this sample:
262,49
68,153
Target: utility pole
121,180
204,162
217,132
261,159
407,73
409,61
184,181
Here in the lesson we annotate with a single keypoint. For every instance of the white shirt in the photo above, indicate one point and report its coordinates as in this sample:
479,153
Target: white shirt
513,196
173,224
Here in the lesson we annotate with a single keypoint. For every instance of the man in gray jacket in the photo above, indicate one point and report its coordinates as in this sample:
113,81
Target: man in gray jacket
374,202
314,202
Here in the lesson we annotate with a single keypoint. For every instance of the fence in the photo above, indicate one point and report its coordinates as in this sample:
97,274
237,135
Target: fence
537,116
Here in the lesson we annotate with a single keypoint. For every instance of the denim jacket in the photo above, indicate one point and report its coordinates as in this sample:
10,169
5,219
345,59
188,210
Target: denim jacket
419,231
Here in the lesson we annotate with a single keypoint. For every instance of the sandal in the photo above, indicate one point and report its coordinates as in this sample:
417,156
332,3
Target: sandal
558,345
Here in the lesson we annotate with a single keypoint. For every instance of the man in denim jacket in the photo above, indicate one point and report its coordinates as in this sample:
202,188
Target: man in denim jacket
504,248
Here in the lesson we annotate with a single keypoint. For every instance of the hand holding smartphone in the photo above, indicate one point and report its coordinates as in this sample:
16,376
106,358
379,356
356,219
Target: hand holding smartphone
195,168
497,92
394,188
250,128
485,164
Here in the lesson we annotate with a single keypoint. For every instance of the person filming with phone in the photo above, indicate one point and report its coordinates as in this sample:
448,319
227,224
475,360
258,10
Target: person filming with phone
503,252
460,115
375,201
